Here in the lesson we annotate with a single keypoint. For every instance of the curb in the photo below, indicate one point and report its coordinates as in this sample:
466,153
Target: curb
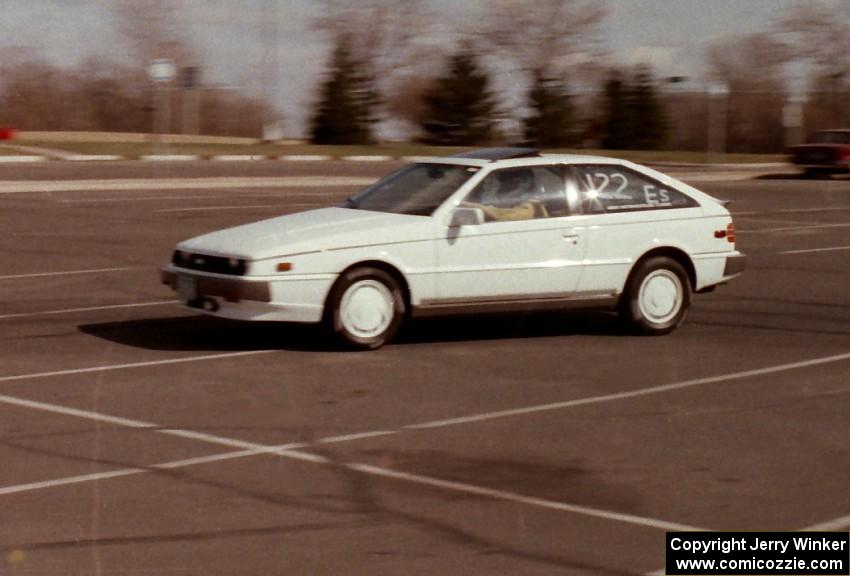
170,157
23,158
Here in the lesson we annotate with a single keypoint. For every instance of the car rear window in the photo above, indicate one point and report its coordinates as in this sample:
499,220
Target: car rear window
610,188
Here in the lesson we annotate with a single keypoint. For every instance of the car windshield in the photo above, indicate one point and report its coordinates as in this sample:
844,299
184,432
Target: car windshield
418,189
832,138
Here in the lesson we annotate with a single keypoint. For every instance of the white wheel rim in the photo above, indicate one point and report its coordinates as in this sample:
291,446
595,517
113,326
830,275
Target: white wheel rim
366,309
660,297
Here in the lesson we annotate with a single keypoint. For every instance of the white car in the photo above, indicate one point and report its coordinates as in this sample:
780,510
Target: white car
497,229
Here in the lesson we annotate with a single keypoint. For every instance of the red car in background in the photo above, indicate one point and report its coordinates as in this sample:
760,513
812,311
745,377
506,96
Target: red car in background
828,152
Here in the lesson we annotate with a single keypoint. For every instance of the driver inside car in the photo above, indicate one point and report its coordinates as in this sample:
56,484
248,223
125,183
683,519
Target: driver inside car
508,195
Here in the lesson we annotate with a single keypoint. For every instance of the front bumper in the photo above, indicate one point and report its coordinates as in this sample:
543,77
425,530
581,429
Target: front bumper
231,289
290,299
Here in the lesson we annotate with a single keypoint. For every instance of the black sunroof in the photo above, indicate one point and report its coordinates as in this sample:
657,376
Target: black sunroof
494,154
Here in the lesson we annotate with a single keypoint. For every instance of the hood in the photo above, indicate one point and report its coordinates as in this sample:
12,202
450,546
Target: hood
321,229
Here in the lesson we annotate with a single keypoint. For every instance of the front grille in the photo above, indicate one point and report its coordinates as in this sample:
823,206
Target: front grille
206,263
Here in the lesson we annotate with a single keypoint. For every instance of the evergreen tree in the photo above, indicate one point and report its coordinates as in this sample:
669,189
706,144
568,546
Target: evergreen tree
648,122
345,112
551,121
617,122
459,108
633,114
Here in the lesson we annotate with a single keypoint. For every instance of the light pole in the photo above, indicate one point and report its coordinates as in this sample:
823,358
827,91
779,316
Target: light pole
161,71
718,112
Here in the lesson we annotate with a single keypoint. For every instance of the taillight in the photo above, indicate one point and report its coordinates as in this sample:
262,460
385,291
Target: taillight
845,154
729,233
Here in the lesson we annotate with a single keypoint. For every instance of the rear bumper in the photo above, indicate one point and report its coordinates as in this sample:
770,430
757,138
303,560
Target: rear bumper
735,264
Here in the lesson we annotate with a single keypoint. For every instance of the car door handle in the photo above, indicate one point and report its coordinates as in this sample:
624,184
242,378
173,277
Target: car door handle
570,236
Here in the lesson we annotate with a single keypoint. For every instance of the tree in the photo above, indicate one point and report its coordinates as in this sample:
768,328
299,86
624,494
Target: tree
820,35
750,67
551,121
555,36
387,39
151,29
648,123
633,115
345,111
460,108
617,118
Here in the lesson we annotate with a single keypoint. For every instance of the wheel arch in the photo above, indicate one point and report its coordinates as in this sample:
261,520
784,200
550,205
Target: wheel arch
673,253
384,266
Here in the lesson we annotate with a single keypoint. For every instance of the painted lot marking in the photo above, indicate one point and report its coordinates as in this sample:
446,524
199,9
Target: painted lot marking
114,199
842,523
795,228
110,367
30,186
245,206
810,250
69,272
289,450
87,309
634,393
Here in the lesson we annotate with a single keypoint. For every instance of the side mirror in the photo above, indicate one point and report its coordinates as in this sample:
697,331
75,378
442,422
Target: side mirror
466,216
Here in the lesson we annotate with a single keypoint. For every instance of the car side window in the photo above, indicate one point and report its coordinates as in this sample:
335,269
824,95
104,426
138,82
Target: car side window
520,194
611,188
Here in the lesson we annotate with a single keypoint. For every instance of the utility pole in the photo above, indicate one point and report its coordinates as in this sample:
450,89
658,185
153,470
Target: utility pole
189,100
161,71
718,108
270,66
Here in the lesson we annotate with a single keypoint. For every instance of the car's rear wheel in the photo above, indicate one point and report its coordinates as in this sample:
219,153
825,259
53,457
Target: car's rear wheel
365,308
657,296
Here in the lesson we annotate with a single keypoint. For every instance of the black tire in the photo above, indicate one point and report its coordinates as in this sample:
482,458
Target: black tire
657,296
365,308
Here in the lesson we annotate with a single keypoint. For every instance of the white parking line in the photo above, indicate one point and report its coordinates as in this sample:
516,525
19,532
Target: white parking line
828,209
810,250
116,199
287,451
632,393
795,228
69,272
842,523
127,184
111,367
87,309
244,206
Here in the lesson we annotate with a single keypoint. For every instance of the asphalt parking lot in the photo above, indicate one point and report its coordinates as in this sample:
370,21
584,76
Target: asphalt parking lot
139,437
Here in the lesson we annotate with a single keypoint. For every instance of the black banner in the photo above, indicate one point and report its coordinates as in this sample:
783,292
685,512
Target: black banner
758,553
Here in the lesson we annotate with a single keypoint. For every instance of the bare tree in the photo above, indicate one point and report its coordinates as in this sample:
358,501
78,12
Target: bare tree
383,33
152,29
820,35
389,41
751,69
548,36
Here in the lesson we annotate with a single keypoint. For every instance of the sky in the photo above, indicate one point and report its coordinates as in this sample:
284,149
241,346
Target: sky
671,35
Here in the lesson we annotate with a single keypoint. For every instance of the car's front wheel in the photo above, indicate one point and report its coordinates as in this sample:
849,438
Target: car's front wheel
365,308
657,296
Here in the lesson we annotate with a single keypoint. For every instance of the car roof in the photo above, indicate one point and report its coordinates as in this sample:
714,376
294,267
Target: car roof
509,157
494,154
